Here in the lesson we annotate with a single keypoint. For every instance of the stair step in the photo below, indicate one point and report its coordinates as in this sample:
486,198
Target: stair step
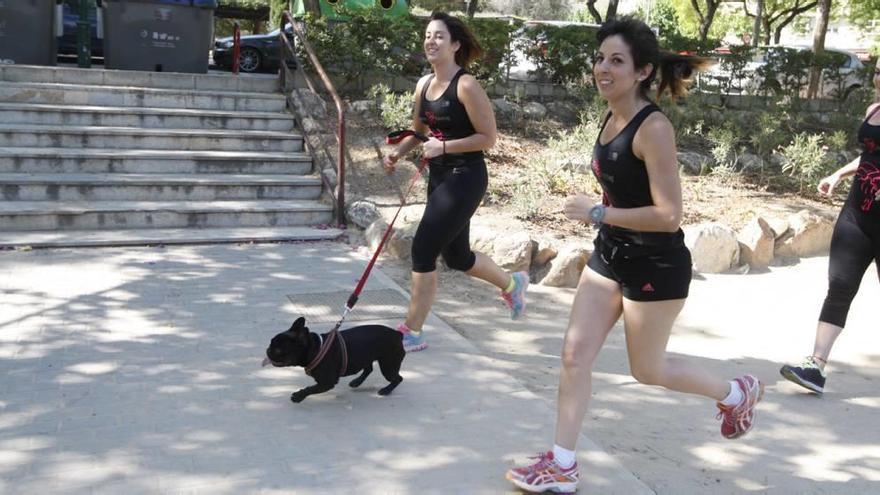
155,187
120,96
164,118
96,160
86,215
123,237
137,138
252,83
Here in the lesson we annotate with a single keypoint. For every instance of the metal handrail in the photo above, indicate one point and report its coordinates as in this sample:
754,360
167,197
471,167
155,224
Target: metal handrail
287,18
236,46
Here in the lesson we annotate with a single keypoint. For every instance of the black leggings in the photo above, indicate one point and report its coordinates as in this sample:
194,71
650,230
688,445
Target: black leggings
854,244
454,194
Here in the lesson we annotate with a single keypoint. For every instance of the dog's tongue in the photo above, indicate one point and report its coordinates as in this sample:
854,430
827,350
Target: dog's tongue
266,362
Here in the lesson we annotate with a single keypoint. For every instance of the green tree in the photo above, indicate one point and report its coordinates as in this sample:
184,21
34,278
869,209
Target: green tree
777,15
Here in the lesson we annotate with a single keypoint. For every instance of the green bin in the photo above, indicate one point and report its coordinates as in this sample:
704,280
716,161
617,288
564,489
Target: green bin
158,35
27,31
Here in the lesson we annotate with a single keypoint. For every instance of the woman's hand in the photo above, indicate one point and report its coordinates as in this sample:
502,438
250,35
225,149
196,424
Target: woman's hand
389,161
578,207
826,185
433,147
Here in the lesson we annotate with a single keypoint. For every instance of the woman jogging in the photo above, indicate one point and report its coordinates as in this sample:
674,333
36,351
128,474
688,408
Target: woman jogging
640,268
854,244
453,109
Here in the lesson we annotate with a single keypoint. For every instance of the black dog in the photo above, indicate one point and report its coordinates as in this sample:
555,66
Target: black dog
360,347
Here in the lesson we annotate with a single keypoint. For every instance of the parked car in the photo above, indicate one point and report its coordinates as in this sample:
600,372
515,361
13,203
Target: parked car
67,41
259,52
761,72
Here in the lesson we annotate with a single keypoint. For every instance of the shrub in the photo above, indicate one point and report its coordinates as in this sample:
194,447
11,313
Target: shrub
805,159
395,110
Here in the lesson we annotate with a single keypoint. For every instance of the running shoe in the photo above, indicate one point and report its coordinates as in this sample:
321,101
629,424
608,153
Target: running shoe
515,300
545,475
412,341
737,420
808,375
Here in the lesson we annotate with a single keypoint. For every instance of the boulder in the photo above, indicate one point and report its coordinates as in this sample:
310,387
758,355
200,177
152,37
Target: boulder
510,251
534,110
756,241
713,246
565,269
692,163
808,234
362,213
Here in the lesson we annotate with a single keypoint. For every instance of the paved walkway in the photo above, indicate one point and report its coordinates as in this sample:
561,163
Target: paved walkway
136,370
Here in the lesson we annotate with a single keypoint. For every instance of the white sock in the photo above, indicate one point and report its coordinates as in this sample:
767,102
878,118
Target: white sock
735,396
564,457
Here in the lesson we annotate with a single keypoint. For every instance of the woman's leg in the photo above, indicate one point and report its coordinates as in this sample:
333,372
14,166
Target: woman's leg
596,307
648,325
423,289
486,269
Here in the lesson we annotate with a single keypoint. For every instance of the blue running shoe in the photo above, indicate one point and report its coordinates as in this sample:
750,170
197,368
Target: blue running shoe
515,300
412,341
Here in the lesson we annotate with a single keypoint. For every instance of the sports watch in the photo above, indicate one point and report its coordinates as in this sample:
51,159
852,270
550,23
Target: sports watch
597,214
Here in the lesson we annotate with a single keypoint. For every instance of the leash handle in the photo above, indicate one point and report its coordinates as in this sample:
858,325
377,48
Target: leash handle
398,136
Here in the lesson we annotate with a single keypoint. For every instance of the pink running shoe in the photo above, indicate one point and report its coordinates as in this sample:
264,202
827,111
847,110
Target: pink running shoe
545,475
737,420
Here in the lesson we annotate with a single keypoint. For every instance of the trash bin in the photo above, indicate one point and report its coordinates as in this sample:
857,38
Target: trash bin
158,35
27,31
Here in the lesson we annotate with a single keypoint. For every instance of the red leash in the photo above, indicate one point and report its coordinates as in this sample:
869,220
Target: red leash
393,138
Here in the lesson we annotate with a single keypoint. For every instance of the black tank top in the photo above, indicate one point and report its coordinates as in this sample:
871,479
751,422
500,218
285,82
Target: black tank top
447,119
624,180
864,194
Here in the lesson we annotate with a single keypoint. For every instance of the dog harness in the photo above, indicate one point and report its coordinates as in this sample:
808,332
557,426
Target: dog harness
325,348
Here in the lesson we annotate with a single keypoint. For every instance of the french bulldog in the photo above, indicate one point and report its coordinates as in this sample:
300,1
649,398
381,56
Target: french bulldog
363,344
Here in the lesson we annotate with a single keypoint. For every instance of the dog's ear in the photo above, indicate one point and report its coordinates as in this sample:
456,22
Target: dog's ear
298,325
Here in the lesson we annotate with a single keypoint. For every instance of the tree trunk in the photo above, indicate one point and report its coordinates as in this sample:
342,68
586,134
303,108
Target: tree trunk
819,31
706,20
611,13
471,8
591,6
312,7
759,15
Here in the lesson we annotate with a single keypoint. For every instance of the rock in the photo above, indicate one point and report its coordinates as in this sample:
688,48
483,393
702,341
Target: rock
534,110
544,252
713,246
562,111
506,110
330,175
362,213
510,251
364,108
565,269
399,243
749,161
808,235
756,243
692,163
310,125
778,225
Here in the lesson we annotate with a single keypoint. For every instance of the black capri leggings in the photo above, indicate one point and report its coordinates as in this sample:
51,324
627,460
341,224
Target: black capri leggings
454,194
854,244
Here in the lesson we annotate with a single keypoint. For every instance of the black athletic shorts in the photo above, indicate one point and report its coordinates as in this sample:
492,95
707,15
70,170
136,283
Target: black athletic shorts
644,272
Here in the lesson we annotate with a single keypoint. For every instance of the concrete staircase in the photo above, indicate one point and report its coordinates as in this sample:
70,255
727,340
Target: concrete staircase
92,157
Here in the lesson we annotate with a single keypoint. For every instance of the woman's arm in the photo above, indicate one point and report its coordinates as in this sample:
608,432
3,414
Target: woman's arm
654,143
479,111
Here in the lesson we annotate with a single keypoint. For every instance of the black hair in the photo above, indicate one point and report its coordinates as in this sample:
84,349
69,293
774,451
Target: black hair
469,49
675,70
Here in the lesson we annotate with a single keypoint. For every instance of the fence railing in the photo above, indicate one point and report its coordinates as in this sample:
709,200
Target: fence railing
287,47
